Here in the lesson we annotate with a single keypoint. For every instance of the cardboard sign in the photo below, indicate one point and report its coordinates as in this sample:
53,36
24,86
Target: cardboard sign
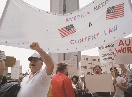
10,61
16,70
72,67
88,62
99,83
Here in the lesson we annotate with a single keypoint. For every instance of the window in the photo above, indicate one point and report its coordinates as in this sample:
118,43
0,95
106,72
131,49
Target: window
94,59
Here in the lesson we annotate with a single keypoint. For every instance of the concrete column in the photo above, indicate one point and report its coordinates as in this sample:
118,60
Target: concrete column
62,7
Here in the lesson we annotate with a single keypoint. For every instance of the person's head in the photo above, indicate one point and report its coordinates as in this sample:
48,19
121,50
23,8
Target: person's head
62,67
75,79
114,71
97,69
36,62
88,73
82,78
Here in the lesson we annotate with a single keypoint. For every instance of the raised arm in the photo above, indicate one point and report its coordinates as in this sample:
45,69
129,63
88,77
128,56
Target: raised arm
45,57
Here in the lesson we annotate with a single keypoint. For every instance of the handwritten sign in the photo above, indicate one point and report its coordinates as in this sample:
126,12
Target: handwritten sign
123,51
106,52
88,62
72,67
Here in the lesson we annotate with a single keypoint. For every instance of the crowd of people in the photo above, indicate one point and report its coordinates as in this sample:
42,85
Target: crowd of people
41,83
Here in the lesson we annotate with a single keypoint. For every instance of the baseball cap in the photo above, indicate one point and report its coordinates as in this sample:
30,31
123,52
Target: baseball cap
82,75
36,56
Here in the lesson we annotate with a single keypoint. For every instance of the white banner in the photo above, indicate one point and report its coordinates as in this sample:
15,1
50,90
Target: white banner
100,22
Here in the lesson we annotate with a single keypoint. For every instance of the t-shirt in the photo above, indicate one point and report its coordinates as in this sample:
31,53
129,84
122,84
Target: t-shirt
119,92
37,86
82,84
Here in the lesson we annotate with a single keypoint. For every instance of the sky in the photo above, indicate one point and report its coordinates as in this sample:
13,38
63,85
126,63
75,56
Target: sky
23,54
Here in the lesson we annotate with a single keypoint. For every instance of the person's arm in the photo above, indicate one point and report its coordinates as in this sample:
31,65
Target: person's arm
129,85
45,57
125,69
79,88
2,63
2,67
123,85
112,94
68,88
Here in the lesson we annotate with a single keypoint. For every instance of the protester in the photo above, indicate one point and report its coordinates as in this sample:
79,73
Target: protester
97,70
61,84
2,64
37,83
82,81
120,83
77,86
50,91
129,85
129,75
84,89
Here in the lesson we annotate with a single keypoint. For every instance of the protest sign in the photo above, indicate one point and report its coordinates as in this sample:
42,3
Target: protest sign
106,52
10,61
123,49
103,81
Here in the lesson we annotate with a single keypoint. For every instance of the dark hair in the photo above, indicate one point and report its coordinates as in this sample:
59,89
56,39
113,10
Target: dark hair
61,66
76,77
96,67
115,68
56,71
88,73
4,80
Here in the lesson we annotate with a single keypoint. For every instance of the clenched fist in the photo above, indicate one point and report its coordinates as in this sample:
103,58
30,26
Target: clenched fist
35,46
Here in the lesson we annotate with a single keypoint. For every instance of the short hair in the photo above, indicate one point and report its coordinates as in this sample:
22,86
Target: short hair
115,68
61,66
96,67
76,77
